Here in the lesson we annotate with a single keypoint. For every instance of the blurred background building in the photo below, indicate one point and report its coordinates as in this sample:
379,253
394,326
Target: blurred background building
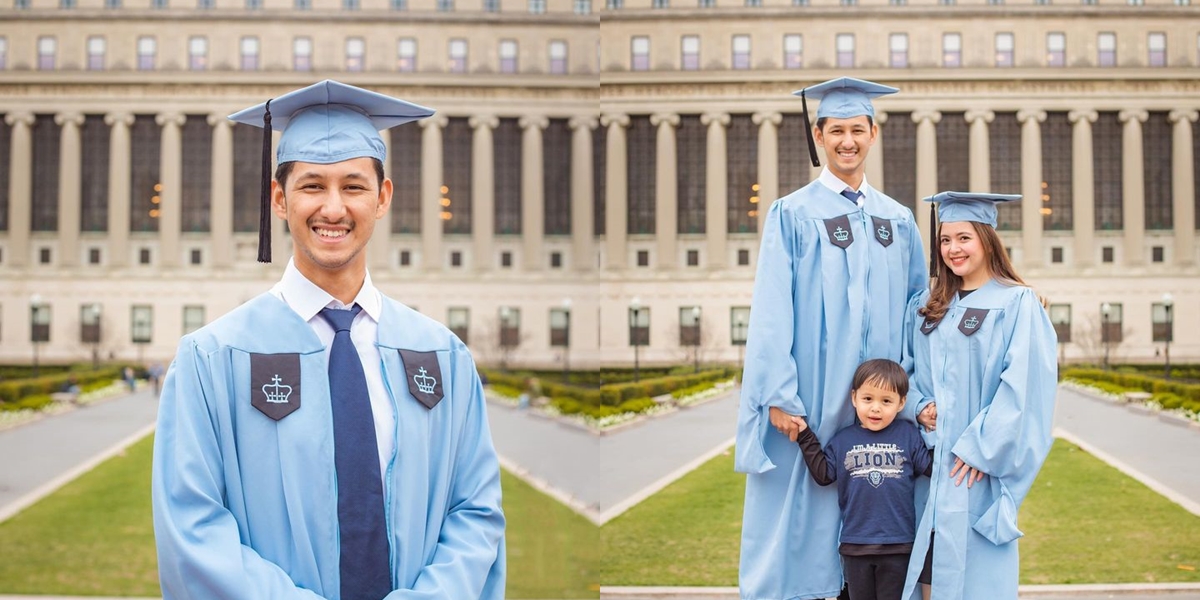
592,188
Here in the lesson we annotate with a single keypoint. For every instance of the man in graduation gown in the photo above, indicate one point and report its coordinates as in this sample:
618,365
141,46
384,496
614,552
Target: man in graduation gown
323,440
838,264
990,365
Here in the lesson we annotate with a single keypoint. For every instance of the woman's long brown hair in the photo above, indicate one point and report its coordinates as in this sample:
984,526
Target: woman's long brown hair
945,284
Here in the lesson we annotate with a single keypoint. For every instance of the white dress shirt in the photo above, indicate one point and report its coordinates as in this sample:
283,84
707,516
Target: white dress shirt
304,297
831,181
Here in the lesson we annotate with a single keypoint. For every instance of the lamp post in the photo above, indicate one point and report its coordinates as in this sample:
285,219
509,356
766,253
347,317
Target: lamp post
566,340
37,332
635,337
1168,301
1105,309
696,339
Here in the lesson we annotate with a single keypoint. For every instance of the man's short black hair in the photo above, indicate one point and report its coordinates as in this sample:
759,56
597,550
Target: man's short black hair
284,170
822,120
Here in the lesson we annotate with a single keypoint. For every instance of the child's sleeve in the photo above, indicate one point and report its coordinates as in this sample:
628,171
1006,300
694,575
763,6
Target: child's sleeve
922,456
820,463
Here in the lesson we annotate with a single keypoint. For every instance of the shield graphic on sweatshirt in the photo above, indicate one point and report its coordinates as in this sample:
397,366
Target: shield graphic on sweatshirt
875,478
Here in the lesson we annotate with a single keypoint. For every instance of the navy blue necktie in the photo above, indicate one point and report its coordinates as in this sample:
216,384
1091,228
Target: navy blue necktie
365,564
852,195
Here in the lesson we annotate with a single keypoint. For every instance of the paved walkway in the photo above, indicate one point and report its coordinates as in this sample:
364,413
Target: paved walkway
602,476
56,449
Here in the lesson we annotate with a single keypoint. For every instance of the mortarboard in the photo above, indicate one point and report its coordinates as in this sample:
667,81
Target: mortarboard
324,123
841,98
956,207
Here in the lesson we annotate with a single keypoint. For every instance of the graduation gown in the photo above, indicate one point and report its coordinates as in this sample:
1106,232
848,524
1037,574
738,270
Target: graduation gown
245,506
831,288
990,365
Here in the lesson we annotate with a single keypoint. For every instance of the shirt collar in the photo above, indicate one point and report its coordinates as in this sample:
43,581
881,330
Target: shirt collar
837,186
307,299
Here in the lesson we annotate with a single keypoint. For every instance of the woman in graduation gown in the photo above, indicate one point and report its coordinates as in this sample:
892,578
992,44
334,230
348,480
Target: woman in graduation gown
981,348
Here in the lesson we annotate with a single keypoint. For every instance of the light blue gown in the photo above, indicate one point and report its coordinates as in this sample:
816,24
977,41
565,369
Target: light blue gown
246,506
994,391
831,288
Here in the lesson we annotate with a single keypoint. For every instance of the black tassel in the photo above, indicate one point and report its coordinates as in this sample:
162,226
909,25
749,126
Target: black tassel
264,196
812,146
933,247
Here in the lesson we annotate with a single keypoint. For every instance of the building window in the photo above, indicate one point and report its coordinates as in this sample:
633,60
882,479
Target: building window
537,7
693,258
253,4
1111,316
660,4
491,6
1156,254
848,2
741,187
507,162
1136,2
952,50
706,3
198,53
899,171
196,256
302,54
556,178
44,256
47,48
743,257
741,52
195,201
445,5
898,54
793,51
1161,323
953,136
406,55
643,258
301,5
144,257
249,53
398,5
457,168
41,317
614,4
405,258
112,4
1107,175
689,50
508,56
93,256
556,260
95,49
1004,49
845,50
350,5
799,2
3,52
1106,254
753,3
458,320
739,321
639,49
458,55
21,4
558,57
639,324
193,318
1157,43
506,259
1056,255
691,156
355,51
147,49
641,183
560,325
583,7
1106,48
1057,177
46,155
456,258
689,326
141,324
510,327
1157,171
1056,49
1060,316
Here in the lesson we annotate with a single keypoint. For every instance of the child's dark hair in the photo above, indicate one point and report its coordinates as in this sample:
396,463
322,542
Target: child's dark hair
882,372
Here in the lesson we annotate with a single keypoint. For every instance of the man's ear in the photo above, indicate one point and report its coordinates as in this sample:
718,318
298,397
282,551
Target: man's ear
820,139
385,198
278,201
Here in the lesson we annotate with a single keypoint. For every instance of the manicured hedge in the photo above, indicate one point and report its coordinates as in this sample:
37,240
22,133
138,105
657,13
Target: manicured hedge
1180,395
13,391
609,395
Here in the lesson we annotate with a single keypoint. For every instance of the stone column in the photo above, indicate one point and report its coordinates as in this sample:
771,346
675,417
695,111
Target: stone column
20,186
70,195
582,225
616,191
875,155
980,176
768,162
927,184
1031,185
221,201
170,213
1133,192
1183,186
431,192
533,196
119,175
666,192
483,190
1083,188
716,196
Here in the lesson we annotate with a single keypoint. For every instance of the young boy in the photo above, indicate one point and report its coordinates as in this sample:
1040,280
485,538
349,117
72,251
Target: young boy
874,463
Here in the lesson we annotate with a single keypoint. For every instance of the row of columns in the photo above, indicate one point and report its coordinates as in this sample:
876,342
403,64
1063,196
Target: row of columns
1083,192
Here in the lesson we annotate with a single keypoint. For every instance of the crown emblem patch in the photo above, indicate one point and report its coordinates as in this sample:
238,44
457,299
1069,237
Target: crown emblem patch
275,384
972,320
839,232
883,231
929,325
424,375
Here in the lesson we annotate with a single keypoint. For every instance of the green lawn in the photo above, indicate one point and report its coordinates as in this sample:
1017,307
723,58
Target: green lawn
1084,522
94,537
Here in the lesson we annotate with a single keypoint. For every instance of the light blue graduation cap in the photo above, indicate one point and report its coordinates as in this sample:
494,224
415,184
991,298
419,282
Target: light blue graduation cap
841,98
324,123
956,207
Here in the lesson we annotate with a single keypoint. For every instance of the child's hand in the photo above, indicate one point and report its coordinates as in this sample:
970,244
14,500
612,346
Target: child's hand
928,417
801,424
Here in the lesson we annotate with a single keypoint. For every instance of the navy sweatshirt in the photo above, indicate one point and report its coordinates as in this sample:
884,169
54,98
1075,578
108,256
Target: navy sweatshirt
875,472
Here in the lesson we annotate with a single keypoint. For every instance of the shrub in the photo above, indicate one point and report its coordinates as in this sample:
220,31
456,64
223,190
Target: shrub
15,390
505,390
636,405
1168,400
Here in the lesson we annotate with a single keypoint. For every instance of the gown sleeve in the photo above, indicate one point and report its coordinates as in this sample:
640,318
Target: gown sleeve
917,399
769,378
200,554
1009,439
468,561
